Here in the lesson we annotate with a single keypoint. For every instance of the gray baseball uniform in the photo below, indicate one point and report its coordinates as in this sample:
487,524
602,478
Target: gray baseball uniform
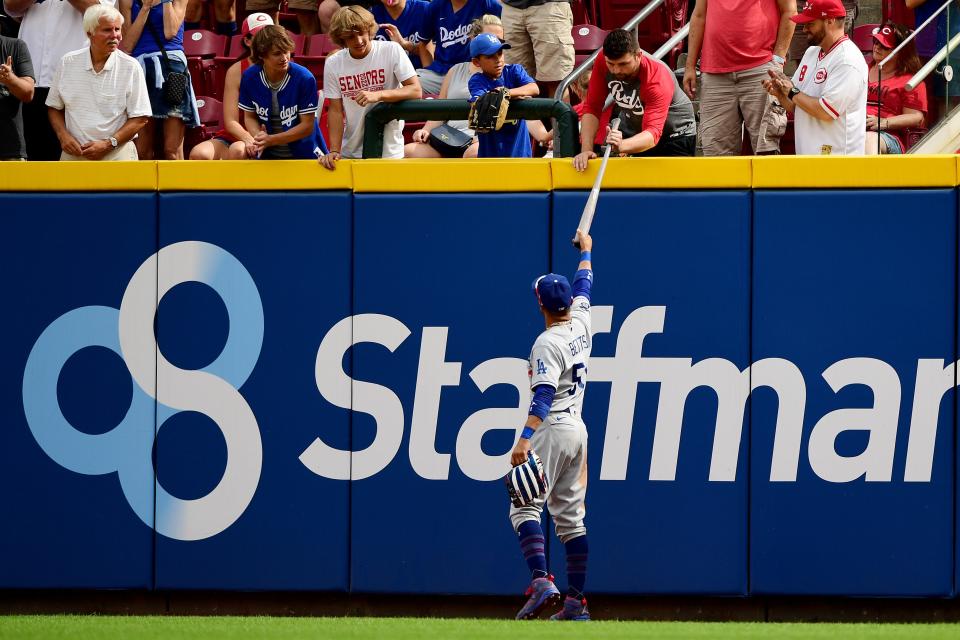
559,359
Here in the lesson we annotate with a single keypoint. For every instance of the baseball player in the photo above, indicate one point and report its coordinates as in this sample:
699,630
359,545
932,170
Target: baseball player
555,431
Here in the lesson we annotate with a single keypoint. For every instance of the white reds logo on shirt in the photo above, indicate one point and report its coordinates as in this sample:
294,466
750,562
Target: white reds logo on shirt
820,77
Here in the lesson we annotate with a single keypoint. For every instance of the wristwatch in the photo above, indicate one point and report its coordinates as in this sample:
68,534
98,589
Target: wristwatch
793,92
113,142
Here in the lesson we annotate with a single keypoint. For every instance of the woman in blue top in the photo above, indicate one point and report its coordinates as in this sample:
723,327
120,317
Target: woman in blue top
146,34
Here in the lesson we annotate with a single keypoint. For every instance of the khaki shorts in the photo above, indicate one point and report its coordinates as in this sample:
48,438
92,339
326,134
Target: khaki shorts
303,5
267,6
540,39
732,101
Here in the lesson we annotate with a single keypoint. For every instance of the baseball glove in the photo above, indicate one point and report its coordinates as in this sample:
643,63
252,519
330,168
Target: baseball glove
526,482
489,111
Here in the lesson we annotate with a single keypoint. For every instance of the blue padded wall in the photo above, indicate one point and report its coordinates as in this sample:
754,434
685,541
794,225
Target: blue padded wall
853,275
65,265
687,253
458,279
296,249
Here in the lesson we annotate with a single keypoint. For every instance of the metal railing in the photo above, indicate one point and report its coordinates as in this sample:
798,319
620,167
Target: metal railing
565,143
940,56
642,15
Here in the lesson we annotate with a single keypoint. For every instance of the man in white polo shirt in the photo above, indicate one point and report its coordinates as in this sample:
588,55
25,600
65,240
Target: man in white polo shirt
98,100
828,92
50,28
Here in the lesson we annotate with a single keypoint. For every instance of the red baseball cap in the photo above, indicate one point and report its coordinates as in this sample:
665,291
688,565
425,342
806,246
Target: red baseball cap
255,22
886,36
819,9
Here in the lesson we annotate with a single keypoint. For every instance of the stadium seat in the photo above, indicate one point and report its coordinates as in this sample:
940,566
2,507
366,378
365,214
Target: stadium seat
201,47
211,120
665,21
862,36
320,45
203,44
582,12
587,38
299,43
317,47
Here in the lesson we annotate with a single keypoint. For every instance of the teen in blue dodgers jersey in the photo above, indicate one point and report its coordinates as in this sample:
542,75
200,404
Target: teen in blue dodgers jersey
555,431
512,140
448,26
279,100
402,21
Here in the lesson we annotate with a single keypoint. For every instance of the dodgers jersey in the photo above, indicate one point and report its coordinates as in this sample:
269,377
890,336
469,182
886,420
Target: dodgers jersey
559,357
408,23
837,78
297,95
450,30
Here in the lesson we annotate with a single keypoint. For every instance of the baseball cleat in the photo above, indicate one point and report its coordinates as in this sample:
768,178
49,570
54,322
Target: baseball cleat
541,593
573,609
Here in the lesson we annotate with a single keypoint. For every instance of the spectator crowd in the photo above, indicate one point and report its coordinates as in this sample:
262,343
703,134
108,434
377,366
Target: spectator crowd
109,80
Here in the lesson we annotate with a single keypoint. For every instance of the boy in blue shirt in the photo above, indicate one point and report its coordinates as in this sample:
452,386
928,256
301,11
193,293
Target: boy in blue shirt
278,99
512,140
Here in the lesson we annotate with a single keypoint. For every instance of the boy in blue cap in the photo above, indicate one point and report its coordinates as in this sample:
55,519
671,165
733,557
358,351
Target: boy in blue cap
512,140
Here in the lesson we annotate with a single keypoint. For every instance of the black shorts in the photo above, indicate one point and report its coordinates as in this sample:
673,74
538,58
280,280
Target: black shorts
672,147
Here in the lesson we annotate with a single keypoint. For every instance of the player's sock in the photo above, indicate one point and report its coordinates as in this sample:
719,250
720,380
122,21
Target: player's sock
576,566
531,544
227,28
191,26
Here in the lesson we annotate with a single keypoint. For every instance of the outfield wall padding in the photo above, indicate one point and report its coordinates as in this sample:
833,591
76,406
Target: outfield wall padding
316,387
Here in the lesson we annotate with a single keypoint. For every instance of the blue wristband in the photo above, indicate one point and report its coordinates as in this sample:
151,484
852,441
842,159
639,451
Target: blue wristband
527,432
584,255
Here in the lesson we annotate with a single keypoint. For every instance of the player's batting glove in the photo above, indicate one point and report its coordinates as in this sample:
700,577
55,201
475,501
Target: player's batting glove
526,482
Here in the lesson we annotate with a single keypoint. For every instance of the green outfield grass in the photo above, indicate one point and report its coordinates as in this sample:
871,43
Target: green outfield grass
239,628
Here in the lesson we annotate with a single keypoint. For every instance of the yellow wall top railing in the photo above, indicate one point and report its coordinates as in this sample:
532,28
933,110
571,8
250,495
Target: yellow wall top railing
485,175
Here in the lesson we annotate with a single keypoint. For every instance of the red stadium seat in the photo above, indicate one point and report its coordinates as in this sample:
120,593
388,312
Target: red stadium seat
587,38
211,121
201,47
320,45
582,12
862,36
235,49
652,32
203,44
299,43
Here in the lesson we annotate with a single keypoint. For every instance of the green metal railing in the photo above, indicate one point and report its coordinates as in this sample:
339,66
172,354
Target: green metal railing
565,140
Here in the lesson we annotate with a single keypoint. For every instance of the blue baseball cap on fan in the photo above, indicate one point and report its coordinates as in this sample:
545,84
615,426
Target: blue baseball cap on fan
553,292
486,44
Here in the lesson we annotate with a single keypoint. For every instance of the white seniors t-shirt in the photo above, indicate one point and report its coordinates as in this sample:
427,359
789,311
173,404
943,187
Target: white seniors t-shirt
838,79
385,67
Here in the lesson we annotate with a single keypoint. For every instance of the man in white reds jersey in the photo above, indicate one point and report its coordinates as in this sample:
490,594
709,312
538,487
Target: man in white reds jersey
829,86
555,431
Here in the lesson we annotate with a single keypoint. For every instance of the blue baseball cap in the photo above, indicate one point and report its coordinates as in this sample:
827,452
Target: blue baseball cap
553,292
486,44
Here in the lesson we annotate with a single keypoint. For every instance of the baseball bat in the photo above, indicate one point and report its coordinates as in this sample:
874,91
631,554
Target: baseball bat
586,218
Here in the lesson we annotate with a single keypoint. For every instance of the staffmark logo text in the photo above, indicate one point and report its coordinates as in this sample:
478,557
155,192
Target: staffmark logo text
216,391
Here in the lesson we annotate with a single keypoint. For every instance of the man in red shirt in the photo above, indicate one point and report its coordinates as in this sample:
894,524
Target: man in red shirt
656,117
737,42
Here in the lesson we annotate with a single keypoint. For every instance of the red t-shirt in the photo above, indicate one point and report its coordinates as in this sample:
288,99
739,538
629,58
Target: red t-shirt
646,111
897,11
604,122
889,98
738,34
